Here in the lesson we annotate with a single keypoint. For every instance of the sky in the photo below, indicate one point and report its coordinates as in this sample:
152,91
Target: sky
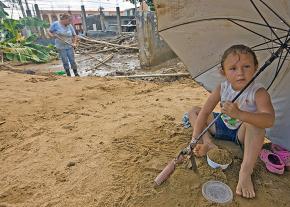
67,4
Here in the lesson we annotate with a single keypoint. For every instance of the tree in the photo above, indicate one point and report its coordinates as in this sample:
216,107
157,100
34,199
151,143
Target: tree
16,47
148,2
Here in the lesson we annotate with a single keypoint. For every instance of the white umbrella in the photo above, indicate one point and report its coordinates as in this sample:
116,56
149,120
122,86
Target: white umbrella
199,31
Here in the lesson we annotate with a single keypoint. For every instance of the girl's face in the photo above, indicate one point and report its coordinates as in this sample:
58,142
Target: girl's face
239,69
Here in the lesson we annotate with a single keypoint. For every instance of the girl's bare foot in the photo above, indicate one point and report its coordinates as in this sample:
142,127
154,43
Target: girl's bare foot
245,186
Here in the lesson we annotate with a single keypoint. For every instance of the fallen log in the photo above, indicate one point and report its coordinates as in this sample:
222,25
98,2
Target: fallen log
154,75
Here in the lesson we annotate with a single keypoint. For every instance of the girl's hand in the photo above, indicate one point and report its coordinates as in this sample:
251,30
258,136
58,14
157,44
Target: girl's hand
201,150
231,109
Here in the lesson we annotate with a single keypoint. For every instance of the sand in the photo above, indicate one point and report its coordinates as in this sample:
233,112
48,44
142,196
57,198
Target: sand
220,156
101,142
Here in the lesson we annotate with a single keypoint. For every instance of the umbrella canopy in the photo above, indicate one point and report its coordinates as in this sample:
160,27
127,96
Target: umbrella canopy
200,31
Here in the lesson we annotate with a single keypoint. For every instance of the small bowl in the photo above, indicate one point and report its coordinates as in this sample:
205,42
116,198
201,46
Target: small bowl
216,165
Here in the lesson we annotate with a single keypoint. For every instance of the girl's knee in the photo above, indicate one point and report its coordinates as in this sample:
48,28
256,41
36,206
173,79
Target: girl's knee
258,133
253,128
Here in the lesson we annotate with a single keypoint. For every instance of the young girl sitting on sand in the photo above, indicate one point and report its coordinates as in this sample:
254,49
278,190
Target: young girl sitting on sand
243,121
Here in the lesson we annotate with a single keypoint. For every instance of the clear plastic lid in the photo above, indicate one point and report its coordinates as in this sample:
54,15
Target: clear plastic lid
218,192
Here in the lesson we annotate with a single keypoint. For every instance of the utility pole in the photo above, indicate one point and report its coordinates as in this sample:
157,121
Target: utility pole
22,8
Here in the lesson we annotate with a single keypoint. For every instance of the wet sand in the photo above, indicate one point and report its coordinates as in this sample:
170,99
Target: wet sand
101,142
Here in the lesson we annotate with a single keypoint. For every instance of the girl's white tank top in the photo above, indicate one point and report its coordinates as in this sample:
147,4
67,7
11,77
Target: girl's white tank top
246,101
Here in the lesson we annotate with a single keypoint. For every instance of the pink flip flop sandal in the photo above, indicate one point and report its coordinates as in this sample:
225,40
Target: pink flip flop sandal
283,153
272,161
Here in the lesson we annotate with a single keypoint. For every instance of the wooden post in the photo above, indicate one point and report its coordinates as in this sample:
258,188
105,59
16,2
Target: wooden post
102,19
135,14
33,11
28,11
49,18
39,16
84,20
118,20
22,8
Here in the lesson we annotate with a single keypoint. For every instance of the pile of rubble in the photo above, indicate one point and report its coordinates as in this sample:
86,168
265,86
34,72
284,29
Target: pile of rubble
91,47
122,43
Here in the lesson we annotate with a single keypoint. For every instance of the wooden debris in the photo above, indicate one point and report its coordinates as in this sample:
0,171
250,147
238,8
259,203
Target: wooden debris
106,59
100,61
7,67
91,45
108,43
154,75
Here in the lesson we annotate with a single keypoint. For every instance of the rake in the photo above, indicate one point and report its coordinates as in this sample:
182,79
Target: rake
169,169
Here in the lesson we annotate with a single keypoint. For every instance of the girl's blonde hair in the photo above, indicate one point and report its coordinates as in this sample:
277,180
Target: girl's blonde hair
238,49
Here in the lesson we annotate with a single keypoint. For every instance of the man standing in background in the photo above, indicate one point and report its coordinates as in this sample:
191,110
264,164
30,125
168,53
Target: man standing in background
65,42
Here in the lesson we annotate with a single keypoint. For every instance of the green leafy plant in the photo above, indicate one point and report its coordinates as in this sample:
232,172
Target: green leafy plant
27,52
10,29
16,47
3,13
33,22
148,2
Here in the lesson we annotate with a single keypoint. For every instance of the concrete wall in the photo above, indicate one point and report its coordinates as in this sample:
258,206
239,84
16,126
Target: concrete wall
110,22
152,49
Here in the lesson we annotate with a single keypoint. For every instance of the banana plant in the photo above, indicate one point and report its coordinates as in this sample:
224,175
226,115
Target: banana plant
3,13
27,52
10,28
34,22
16,47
